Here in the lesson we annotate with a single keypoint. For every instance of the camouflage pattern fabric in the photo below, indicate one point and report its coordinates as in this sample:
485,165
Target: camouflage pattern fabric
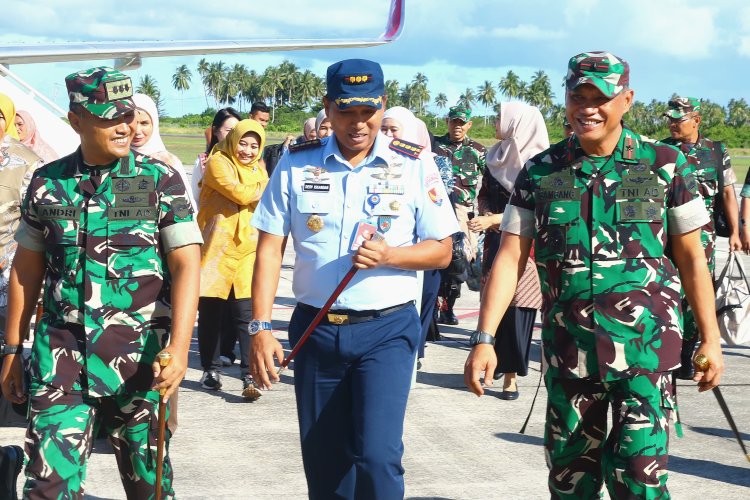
681,106
103,91
632,459
611,294
60,437
106,292
468,158
701,156
607,72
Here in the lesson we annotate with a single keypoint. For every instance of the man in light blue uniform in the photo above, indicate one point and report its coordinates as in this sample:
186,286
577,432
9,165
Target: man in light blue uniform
352,376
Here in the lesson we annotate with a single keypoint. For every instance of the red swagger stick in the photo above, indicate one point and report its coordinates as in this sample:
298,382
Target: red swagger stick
316,320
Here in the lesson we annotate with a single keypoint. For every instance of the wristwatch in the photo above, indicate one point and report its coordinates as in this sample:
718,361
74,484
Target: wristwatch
10,349
257,325
480,337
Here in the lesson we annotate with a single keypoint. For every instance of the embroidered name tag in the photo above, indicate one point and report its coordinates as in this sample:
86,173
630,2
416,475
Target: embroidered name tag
134,213
558,181
317,187
59,212
546,195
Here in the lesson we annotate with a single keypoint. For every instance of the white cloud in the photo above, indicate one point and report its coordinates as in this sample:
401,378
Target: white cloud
518,32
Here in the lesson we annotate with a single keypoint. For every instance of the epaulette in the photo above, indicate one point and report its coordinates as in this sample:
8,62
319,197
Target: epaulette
301,146
406,148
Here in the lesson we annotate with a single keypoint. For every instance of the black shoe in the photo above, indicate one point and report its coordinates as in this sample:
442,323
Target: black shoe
497,376
509,395
211,380
686,371
11,462
448,318
250,391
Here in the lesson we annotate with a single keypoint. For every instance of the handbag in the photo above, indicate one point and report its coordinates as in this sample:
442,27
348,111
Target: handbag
733,302
721,225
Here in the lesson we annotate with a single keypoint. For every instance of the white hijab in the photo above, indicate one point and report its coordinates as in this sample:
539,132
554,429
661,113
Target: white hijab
523,134
415,130
154,144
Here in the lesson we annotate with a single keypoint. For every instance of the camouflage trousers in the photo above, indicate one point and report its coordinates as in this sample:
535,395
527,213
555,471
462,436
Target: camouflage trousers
61,430
632,458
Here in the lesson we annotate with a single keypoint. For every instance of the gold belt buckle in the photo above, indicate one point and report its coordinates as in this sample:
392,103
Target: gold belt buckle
338,319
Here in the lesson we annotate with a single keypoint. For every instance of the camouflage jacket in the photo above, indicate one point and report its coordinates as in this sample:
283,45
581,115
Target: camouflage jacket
611,291
105,234
468,158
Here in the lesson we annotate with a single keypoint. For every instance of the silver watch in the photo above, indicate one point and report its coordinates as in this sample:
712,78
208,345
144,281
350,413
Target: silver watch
257,325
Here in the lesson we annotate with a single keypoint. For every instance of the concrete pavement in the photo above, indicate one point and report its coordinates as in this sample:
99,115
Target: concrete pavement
457,446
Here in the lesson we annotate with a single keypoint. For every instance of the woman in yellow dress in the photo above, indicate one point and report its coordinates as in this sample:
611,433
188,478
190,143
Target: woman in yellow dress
230,190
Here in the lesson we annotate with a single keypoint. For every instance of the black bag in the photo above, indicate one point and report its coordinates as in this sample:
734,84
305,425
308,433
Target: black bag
721,225
459,265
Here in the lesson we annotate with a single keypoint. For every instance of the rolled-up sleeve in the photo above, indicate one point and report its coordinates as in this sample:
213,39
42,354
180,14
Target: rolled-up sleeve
520,221
272,215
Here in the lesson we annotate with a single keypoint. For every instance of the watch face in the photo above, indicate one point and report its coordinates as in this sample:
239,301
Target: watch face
254,327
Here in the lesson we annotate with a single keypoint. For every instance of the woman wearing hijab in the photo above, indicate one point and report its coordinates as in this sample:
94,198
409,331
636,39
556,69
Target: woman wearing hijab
231,187
522,134
322,125
147,139
400,123
31,138
224,121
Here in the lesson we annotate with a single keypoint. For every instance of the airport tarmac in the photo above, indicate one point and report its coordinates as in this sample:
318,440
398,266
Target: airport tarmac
457,446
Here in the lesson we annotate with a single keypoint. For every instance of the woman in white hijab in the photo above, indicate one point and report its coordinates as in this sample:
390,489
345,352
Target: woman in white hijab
522,134
147,139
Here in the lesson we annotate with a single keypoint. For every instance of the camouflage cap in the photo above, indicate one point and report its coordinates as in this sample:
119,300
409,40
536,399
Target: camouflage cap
681,106
607,72
461,112
103,91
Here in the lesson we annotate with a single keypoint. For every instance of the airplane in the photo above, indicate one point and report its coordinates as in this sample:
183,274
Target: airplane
128,55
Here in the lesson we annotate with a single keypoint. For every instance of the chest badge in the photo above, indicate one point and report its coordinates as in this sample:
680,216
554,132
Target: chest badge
315,223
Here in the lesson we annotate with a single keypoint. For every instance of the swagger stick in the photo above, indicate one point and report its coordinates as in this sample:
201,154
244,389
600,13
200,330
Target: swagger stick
318,317
164,359
701,362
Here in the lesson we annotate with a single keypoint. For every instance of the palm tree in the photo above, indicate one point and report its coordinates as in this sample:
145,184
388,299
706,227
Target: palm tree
738,112
419,89
214,80
486,95
393,93
309,87
290,75
250,90
203,68
511,85
147,85
539,92
467,98
441,101
272,83
181,82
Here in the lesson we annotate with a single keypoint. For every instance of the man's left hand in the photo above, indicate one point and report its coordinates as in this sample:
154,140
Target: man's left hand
371,254
170,376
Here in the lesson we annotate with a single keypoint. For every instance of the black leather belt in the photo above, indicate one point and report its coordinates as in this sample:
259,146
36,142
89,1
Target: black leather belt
349,317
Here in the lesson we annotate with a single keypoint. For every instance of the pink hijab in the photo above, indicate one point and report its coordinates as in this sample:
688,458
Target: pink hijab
523,134
34,139
415,130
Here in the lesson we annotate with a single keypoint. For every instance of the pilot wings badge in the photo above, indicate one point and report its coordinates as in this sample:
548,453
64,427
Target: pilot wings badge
390,171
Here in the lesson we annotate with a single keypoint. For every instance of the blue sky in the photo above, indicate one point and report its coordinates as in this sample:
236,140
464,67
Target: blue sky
682,46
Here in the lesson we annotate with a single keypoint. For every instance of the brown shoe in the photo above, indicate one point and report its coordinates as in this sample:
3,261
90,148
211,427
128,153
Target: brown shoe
250,391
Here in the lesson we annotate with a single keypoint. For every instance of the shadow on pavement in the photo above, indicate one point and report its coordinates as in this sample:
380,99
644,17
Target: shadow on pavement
514,437
708,469
724,433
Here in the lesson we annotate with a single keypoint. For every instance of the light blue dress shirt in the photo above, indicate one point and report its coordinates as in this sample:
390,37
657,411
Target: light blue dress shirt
388,187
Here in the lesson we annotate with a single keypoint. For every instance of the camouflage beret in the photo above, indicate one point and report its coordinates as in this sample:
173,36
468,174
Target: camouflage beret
103,91
461,112
607,72
681,106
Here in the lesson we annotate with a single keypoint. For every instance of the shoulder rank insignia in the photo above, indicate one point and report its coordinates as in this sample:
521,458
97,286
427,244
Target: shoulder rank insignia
293,148
406,148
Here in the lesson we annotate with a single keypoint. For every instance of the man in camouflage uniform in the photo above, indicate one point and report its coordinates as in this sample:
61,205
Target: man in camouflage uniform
468,158
684,128
600,208
112,236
